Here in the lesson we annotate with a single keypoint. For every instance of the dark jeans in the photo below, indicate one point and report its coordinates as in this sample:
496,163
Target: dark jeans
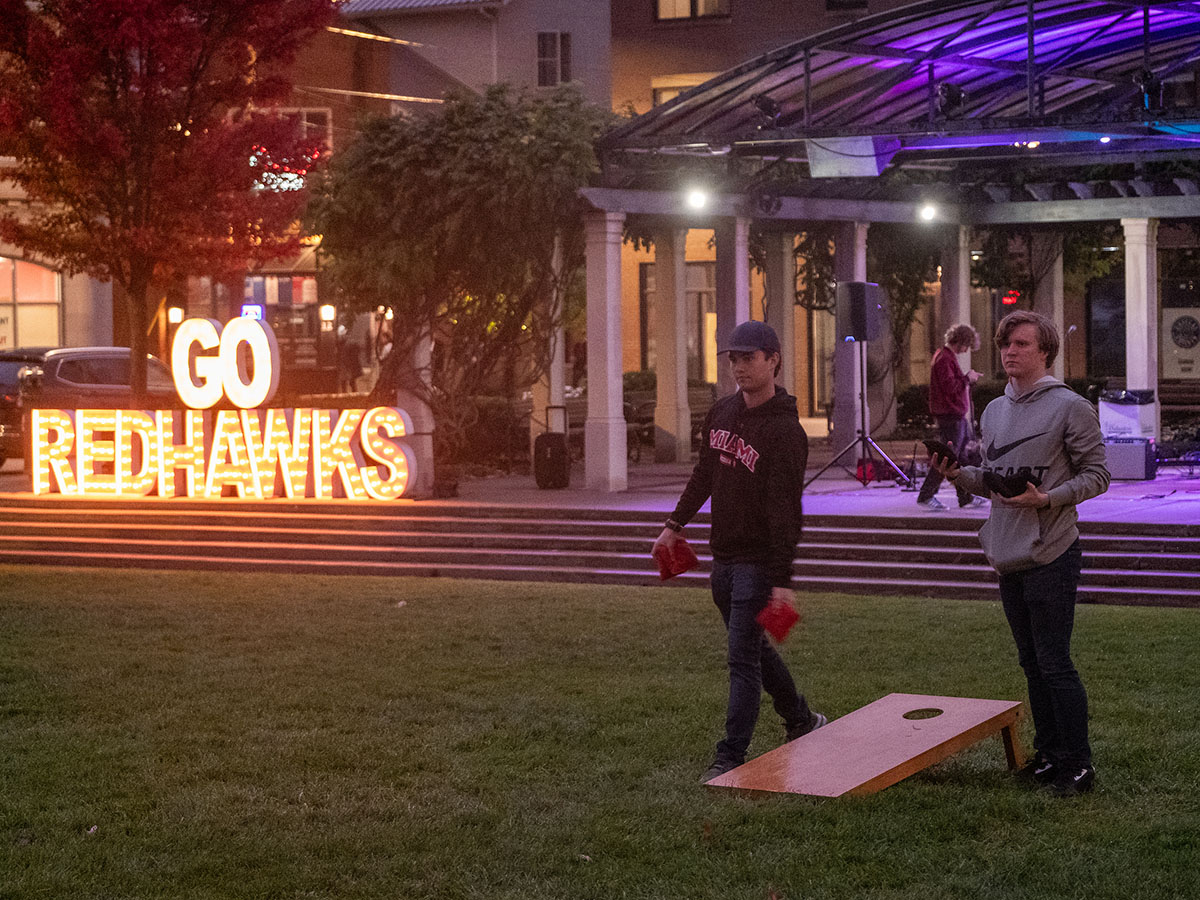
741,591
1040,606
952,430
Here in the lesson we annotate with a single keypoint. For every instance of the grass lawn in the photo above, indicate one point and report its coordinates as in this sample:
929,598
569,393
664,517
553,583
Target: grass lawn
208,736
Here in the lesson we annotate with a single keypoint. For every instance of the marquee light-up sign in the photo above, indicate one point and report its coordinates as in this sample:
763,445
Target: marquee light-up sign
244,452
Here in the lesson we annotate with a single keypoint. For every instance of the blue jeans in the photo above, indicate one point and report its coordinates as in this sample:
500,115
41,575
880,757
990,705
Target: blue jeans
741,591
1040,606
952,430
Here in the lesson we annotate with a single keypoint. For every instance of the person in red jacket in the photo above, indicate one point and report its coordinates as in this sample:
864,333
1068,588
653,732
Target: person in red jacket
752,459
950,405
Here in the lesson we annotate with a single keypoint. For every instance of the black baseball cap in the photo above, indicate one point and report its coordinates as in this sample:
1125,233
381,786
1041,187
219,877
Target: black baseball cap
751,336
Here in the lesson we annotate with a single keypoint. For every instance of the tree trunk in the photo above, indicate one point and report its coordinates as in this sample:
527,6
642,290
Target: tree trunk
135,296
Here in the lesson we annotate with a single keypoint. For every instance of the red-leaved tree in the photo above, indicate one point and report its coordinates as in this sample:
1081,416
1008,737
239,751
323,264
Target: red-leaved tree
144,138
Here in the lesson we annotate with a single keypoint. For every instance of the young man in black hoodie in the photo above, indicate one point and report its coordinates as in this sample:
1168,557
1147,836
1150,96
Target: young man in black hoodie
753,454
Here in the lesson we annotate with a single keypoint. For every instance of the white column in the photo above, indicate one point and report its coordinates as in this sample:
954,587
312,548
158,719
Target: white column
955,305
1047,256
733,287
781,301
849,264
1141,309
672,416
604,462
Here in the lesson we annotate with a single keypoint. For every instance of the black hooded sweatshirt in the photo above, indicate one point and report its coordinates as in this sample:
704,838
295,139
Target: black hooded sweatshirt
752,464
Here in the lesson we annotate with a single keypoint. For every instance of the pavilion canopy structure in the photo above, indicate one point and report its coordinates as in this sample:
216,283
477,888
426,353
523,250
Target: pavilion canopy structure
998,111
939,86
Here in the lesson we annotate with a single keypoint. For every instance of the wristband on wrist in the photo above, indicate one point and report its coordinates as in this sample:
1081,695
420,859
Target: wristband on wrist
673,525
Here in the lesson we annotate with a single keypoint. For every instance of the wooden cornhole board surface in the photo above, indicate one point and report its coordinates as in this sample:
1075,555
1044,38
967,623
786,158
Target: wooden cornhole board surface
875,746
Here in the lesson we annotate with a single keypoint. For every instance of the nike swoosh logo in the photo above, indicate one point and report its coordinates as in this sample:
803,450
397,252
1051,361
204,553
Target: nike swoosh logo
994,452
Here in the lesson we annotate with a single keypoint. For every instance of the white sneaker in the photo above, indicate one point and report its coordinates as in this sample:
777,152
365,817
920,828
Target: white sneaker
933,504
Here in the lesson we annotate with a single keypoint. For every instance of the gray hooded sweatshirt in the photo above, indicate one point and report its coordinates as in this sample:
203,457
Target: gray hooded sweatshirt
1054,433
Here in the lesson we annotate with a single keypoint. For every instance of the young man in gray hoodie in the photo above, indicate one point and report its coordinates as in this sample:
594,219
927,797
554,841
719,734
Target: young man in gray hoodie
1045,439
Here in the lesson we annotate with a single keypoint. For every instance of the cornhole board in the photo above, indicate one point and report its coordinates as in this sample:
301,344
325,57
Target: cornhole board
878,745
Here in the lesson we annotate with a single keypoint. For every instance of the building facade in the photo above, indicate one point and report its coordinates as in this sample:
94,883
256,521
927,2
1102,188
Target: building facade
531,43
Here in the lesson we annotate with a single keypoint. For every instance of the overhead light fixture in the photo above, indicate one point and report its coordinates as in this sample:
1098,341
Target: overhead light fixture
1106,140
697,198
928,212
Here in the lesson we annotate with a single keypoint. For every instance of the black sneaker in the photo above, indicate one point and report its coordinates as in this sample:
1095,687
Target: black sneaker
1073,780
1038,770
719,767
812,724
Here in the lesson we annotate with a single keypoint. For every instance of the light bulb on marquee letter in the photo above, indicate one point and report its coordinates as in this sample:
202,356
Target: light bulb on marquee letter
242,389
201,387
202,383
199,451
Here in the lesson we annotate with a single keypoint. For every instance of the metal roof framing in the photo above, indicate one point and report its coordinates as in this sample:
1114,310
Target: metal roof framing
1063,70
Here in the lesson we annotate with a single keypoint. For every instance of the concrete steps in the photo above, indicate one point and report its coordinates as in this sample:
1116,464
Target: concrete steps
1139,564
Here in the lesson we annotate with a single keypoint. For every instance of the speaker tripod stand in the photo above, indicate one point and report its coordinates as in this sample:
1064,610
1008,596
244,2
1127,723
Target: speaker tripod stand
863,437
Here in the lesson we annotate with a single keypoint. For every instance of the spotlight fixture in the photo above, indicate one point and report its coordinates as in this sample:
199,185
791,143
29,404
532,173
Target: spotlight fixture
928,212
950,99
696,198
768,108
1106,140
767,201
1147,82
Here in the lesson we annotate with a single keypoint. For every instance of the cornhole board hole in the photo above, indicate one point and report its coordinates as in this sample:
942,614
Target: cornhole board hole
874,747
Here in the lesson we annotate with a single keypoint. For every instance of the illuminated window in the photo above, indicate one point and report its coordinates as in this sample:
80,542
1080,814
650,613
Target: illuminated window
30,305
668,87
553,58
659,96
700,304
280,290
691,9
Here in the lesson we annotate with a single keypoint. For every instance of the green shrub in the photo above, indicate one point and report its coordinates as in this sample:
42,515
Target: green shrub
912,409
500,436
645,380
